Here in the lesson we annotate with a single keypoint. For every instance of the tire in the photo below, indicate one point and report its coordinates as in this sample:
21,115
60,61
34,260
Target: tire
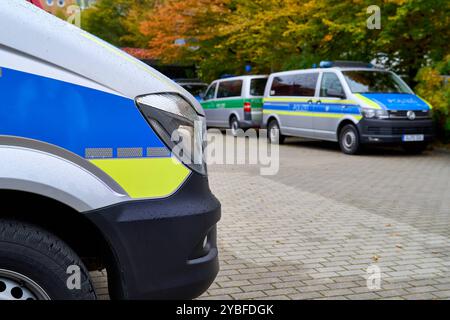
415,148
234,126
274,133
34,265
349,140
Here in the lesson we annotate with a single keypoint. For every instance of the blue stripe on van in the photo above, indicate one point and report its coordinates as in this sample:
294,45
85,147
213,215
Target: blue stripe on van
70,116
320,108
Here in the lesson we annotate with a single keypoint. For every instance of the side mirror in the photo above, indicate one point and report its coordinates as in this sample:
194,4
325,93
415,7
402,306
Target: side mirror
202,95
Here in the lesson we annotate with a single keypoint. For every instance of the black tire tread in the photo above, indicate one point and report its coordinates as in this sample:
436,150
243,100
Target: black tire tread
38,239
357,150
281,136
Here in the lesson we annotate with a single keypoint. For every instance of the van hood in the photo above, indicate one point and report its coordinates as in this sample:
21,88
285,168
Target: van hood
36,33
397,101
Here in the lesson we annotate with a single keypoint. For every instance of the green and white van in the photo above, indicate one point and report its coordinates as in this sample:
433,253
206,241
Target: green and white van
235,103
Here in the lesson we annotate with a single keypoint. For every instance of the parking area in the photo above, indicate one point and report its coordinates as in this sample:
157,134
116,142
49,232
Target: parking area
312,230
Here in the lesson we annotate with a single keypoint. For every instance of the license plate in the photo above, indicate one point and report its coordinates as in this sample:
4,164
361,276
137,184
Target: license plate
413,137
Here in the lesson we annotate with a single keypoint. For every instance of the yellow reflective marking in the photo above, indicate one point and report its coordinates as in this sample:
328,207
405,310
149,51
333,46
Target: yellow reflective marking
329,101
371,103
121,54
145,177
312,114
428,104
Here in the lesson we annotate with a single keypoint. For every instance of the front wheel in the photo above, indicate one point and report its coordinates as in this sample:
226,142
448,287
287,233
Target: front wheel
36,265
349,140
414,148
274,133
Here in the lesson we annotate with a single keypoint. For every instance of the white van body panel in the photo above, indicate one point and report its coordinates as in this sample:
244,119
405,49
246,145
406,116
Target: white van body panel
64,45
37,43
21,62
28,169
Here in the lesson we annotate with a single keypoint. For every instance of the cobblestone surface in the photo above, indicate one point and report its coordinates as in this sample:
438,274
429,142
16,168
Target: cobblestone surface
312,230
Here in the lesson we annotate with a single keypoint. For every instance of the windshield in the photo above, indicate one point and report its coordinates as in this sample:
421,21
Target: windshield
374,82
195,89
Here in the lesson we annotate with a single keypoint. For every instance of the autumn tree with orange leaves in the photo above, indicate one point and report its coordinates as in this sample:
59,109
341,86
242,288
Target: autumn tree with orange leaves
192,21
222,36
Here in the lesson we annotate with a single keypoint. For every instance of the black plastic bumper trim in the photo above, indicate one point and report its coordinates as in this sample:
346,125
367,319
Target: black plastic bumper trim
392,131
154,241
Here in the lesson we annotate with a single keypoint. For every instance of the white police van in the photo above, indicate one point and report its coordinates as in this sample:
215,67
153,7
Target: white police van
348,102
89,178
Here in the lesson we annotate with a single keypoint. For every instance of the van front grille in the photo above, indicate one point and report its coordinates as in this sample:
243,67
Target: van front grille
403,114
399,130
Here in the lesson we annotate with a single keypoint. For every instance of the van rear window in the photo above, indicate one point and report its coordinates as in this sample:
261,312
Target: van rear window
257,87
296,85
228,89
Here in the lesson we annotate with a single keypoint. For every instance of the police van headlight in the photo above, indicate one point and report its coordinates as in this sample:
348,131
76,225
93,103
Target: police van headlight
180,127
375,113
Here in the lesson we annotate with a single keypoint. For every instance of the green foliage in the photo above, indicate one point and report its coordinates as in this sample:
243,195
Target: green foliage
436,90
276,35
117,21
415,33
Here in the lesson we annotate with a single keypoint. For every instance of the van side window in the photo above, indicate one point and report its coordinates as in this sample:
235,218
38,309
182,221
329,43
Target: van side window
210,93
331,86
228,89
299,85
258,86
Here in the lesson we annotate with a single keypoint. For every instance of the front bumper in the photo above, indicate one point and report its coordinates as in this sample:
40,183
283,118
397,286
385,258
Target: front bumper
159,244
392,131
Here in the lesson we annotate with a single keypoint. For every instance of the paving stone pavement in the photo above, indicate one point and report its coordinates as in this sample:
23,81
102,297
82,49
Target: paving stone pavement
312,230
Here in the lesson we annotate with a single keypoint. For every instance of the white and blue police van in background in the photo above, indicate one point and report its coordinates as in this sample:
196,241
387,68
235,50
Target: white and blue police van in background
352,103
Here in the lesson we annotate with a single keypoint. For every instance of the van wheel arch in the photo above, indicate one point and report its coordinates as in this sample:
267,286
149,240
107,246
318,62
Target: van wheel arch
349,139
35,265
233,123
273,122
233,116
341,125
270,119
64,222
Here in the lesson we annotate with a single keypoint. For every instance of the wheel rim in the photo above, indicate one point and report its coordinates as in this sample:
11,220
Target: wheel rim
349,140
234,127
274,134
16,286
